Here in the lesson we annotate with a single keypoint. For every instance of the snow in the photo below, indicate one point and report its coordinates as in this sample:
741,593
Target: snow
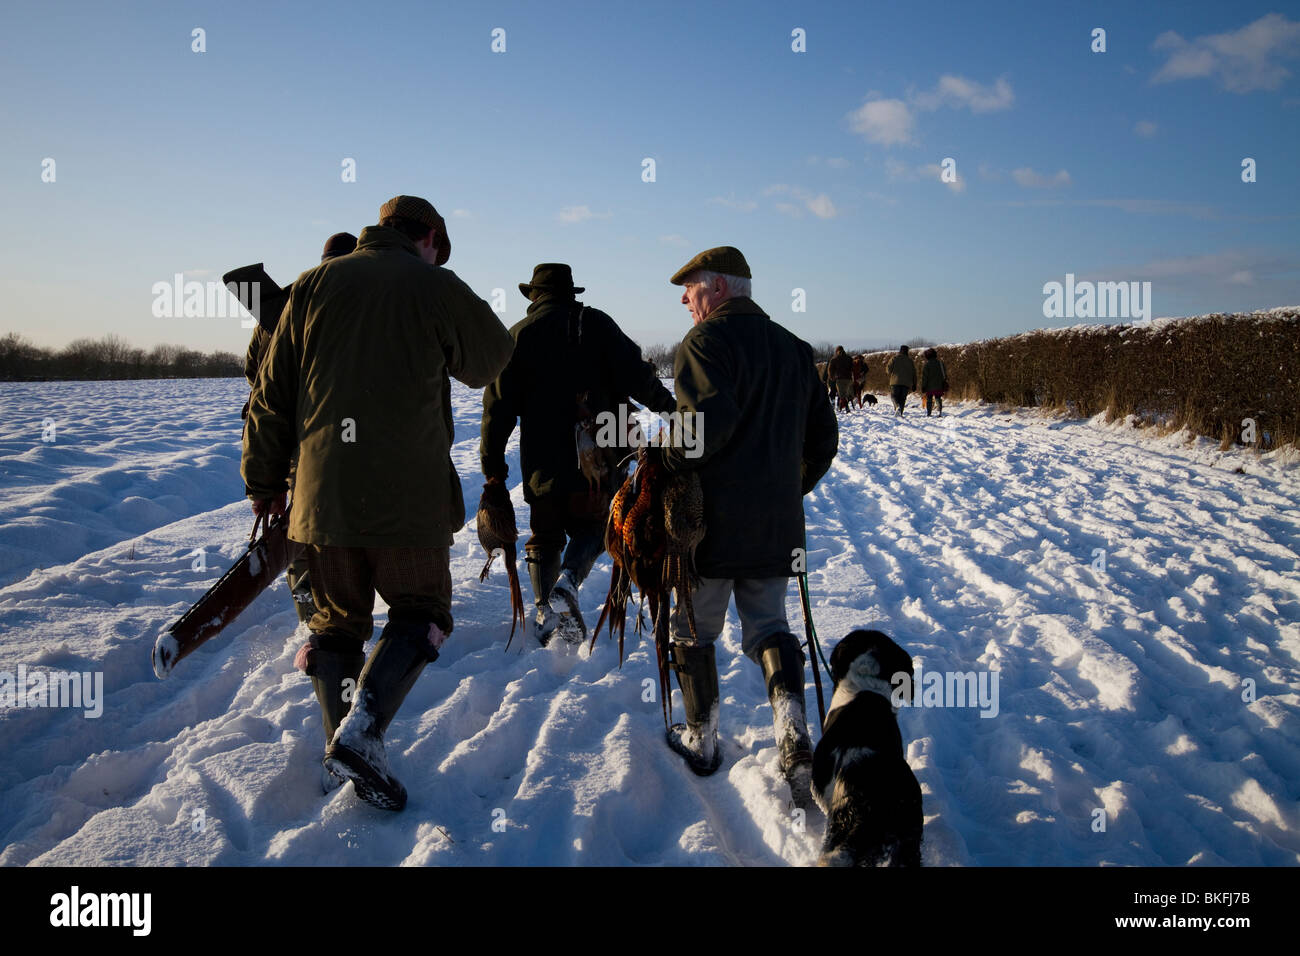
1163,690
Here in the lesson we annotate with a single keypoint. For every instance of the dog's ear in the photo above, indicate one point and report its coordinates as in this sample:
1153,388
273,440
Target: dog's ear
844,652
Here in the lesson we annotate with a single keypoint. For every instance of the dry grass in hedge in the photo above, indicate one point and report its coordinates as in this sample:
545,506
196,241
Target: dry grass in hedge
1208,374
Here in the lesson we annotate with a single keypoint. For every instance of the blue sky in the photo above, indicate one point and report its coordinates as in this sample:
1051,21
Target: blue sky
821,166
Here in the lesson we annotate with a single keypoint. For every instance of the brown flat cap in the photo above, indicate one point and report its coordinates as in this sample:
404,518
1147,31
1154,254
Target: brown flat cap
725,260
421,211
411,207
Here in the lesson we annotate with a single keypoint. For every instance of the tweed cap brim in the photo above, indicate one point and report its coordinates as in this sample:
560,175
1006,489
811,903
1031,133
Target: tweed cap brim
724,260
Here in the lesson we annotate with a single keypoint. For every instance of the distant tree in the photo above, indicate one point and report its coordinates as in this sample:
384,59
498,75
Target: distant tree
662,358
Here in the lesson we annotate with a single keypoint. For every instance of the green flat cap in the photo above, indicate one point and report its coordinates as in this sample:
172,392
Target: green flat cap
726,260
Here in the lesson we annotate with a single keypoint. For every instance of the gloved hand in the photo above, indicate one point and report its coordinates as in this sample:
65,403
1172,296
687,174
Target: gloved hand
495,496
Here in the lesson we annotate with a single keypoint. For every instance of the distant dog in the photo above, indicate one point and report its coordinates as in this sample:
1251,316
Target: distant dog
861,779
868,398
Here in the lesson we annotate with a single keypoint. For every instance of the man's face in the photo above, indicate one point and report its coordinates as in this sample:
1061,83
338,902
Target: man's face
701,298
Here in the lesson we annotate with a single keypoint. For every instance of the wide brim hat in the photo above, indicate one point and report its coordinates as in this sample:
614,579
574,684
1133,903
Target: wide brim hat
552,277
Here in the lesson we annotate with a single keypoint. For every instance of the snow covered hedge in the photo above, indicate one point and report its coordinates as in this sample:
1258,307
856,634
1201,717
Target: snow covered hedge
1207,373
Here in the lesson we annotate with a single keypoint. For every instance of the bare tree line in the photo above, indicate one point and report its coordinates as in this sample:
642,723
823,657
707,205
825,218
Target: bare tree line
109,358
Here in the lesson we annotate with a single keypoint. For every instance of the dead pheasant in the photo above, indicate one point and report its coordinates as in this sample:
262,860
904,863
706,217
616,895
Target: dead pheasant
655,523
497,532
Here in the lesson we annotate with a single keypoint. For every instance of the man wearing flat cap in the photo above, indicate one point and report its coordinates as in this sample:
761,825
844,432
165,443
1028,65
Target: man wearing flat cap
357,381
571,364
769,435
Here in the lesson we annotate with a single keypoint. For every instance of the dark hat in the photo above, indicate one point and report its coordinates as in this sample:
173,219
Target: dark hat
725,260
421,211
553,277
902,349
339,244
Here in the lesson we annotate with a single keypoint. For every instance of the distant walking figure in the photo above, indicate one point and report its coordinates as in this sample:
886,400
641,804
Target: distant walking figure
902,377
839,372
934,380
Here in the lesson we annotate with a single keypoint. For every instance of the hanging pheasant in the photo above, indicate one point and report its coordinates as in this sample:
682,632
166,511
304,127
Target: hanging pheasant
497,532
655,523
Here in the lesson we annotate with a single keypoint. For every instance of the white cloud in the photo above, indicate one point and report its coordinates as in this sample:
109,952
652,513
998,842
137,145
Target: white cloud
675,240
1242,60
957,92
819,205
1145,128
891,122
731,202
573,214
1031,179
461,214
888,122
838,162
989,173
1241,277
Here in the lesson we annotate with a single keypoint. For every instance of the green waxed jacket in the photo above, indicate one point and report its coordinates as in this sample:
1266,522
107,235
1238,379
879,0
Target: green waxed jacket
357,378
768,434
902,371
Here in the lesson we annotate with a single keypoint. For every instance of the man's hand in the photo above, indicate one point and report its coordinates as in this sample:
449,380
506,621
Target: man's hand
270,507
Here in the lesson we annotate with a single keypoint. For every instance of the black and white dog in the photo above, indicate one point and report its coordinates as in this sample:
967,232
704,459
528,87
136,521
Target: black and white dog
861,779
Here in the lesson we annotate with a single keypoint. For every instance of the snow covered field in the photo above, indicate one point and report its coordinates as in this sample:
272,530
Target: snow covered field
1160,694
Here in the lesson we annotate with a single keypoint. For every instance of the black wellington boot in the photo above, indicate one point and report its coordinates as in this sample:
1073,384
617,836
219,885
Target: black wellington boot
334,665
357,750
697,739
543,571
782,660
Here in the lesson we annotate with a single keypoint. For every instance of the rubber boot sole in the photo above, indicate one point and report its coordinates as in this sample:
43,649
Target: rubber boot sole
692,758
574,628
384,792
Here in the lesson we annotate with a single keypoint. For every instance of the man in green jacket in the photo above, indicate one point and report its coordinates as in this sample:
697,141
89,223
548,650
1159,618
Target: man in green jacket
357,382
571,364
769,434
902,377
